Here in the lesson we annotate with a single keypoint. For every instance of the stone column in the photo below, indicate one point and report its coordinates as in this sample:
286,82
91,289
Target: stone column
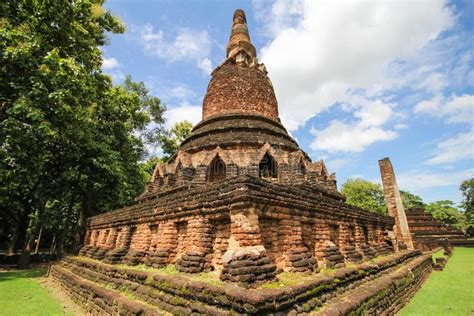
394,203
246,260
165,245
199,236
297,256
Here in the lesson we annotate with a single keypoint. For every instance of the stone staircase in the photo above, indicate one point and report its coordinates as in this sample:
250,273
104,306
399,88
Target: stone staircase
377,287
427,231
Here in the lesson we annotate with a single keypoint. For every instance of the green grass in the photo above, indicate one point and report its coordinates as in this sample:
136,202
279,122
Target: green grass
448,292
21,294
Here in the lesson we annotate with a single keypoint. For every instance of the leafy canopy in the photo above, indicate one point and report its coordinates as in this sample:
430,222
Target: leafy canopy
364,194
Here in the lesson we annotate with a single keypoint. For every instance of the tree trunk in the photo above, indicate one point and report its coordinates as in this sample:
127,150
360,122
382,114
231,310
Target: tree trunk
39,239
24,262
60,243
19,232
80,231
53,245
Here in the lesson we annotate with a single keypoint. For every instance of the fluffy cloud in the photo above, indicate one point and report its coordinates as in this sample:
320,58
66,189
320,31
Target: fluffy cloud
111,66
457,148
341,137
456,109
336,47
188,45
185,111
110,63
205,66
355,136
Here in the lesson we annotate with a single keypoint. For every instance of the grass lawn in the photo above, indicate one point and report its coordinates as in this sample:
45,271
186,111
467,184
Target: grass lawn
21,294
448,292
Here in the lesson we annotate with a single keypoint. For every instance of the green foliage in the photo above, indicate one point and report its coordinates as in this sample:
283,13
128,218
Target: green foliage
364,194
446,211
467,190
173,138
410,200
69,138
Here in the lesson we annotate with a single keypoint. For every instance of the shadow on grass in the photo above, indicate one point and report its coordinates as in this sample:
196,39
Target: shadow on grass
23,274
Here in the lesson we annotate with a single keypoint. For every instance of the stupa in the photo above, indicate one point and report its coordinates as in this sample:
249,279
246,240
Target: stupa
239,196
237,208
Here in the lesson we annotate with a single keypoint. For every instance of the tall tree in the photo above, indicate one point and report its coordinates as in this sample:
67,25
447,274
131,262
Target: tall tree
68,136
364,194
467,190
446,211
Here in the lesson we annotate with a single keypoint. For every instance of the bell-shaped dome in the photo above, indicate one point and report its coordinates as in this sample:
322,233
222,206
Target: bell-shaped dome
240,85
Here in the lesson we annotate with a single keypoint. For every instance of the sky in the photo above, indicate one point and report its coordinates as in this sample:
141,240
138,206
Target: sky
356,81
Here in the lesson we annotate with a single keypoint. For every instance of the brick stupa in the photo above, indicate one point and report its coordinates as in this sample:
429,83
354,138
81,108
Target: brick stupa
239,197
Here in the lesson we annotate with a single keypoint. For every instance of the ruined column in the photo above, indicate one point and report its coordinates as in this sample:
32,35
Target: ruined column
394,203
245,260
297,256
199,235
163,244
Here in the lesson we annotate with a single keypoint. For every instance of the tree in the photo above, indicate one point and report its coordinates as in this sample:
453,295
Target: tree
69,145
467,190
446,211
172,139
364,194
410,200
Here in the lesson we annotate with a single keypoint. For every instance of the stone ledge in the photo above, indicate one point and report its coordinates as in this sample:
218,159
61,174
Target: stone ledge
386,294
97,299
216,198
185,292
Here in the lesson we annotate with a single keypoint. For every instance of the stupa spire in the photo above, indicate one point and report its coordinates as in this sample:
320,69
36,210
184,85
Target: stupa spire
239,37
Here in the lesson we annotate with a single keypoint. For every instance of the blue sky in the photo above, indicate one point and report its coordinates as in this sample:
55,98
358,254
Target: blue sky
355,81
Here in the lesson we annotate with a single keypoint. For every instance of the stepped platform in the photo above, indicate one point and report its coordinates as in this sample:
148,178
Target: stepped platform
429,233
124,290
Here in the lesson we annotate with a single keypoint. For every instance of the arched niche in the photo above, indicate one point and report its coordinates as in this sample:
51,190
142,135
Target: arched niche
217,169
267,168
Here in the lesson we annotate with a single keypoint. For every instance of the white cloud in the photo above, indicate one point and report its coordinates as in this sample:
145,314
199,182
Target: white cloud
188,45
110,63
336,164
282,14
416,180
457,148
205,66
338,47
341,137
456,109
356,136
112,67
184,111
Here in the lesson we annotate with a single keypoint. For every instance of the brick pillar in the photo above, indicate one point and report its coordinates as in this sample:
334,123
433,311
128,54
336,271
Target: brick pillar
246,260
163,244
199,236
394,203
297,256
348,243
123,244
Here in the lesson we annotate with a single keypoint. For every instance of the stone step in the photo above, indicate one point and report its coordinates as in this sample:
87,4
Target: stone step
385,295
97,299
181,294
